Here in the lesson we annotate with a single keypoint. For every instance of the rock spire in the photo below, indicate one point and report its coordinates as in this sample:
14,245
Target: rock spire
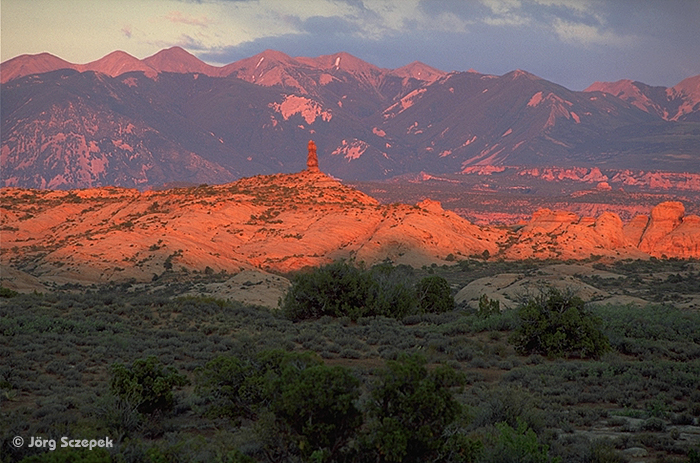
312,159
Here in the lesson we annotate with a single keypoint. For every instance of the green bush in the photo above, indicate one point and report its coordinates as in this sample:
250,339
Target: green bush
310,407
517,445
410,409
434,295
318,404
557,324
341,289
7,292
146,384
337,289
488,307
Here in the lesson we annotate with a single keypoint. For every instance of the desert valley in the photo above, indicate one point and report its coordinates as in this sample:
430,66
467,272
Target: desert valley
163,217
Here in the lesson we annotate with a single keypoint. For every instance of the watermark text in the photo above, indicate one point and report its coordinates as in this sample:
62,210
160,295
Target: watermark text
51,444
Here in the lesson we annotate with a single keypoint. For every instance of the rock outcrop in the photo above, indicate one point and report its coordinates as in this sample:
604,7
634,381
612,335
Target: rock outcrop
683,241
286,222
634,229
664,219
563,235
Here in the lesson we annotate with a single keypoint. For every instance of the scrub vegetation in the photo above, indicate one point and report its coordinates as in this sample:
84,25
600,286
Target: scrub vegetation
359,364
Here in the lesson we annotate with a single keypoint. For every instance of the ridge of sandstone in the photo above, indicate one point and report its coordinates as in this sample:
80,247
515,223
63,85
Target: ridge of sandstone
285,222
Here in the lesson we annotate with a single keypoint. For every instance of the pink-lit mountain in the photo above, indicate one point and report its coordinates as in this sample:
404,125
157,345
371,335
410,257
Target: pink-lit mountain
678,103
173,118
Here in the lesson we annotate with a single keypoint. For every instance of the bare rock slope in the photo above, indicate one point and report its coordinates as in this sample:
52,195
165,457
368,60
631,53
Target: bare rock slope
285,222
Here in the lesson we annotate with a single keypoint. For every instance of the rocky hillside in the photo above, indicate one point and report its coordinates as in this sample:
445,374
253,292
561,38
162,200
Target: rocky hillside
173,118
285,222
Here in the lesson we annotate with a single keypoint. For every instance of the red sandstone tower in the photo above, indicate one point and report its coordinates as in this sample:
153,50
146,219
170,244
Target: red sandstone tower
312,159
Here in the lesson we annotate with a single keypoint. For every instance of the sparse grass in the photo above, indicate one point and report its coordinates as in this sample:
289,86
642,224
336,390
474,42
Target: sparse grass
56,349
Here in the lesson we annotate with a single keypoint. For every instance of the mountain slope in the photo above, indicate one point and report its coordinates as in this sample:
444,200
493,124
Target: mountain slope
175,59
25,65
191,122
468,119
678,103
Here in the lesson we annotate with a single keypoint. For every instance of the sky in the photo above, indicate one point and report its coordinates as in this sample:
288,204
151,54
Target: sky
570,42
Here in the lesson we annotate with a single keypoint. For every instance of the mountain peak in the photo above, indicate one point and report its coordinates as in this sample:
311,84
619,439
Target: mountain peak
340,61
268,68
614,88
177,59
24,65
519,73
689,87
117,63
419,71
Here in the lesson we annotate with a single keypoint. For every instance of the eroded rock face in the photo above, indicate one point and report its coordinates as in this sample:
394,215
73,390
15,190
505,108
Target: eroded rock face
609,227
682,242
665,217
634,229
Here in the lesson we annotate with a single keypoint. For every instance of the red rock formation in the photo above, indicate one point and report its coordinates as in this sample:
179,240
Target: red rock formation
664,218
286,222
683,241
312,159
635,229
609,227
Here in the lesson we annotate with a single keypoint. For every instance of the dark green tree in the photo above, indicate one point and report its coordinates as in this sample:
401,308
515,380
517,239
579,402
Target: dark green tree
318,404
341,289
410,409
338,289
557,324
434,295
146,383
227,382
308,407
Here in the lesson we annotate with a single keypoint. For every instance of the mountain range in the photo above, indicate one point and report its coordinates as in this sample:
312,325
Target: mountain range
171,118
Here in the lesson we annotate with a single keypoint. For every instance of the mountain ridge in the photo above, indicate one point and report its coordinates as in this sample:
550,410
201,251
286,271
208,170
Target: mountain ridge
672,104
191,122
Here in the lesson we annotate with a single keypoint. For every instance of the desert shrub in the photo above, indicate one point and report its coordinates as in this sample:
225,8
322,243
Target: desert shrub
7,292
557,324
434,295
602,451
516,445
410,409
506,404
310,407
488,307
146,384
65,455
343,290
393,292
654,424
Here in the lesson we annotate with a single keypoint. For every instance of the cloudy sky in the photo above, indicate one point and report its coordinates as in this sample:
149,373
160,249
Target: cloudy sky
570,42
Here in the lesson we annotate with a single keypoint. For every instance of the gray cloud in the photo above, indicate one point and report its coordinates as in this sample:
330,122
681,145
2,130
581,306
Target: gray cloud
568,42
